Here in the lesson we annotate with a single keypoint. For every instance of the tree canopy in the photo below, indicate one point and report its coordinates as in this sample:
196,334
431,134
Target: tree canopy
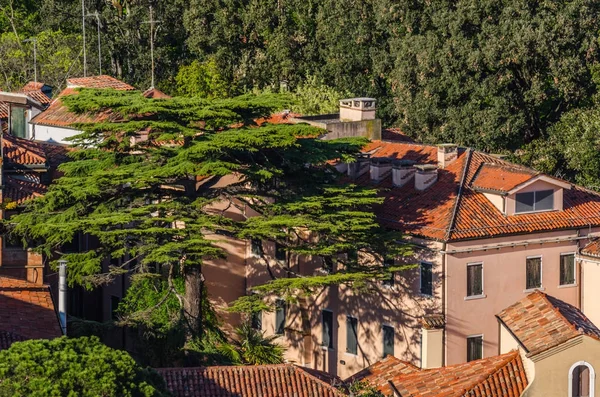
142,186
69,367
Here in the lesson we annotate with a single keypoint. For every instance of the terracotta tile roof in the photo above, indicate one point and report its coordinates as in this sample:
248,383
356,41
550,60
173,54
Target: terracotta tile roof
39,96
497,376
33,91
541,322
19,190
26,309
22,151
102,81
500,177
155,93
592,248
379,373
284,380
3,110
438,212
58,115
8,338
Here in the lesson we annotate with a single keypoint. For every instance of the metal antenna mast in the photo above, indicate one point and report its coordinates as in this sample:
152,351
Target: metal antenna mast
152,22
97,16
34,41
83,28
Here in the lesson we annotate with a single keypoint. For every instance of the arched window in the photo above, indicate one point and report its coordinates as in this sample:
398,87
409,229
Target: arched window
582,380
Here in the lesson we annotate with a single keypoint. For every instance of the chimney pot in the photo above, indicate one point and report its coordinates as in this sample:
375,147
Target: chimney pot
425,175
380,168
357,109
360,166
402,171
447,154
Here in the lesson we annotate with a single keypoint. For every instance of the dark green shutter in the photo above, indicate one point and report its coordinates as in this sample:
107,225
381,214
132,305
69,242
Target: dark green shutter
327,329
388,340
280,316
351,335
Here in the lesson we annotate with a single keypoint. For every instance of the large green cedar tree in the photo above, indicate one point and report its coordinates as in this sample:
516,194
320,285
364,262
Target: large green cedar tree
142,202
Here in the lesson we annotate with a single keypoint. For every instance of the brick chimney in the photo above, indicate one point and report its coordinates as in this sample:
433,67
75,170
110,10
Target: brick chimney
447,154
360,166
357,109
425,175
402,172
380,168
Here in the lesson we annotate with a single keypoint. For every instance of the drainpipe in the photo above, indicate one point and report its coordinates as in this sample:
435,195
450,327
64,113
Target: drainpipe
62,295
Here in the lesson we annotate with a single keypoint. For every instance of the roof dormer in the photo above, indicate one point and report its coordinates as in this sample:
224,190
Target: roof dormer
517,190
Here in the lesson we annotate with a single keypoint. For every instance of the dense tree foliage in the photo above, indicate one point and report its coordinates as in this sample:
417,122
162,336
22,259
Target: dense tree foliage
494,75
143,200
74,367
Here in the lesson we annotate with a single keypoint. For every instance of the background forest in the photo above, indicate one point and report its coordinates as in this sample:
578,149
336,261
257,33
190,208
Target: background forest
515,77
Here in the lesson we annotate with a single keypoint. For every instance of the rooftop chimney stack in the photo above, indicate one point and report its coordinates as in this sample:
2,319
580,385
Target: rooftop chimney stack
359,167
425,175
62,295
402,172
357,109
380,168
447,154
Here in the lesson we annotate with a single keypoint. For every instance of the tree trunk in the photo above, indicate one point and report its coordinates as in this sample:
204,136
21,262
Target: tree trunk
194,286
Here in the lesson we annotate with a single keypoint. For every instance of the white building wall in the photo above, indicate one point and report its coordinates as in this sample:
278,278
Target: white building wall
47,133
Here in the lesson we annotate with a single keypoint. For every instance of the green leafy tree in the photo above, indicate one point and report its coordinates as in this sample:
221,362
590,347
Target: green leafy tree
74,367
490,74
201,79
315,97
571,149
141,200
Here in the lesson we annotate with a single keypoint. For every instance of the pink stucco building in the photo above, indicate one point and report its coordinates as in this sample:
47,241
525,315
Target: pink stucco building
485,233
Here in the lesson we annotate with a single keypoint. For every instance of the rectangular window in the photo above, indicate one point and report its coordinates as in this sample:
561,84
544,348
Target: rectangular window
351,335
474,348
327,329
18,121
541,200
280,252
533,273
389,279
256,320
280,309
388,340
426,278
567,269
474,279
257,248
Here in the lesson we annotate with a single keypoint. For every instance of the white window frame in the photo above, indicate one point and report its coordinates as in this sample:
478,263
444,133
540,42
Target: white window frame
574,270
482,295
592,377
541,287
421,279
482,341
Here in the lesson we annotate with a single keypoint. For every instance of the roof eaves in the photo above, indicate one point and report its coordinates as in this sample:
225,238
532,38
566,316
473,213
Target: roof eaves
536,177
458,195
491,191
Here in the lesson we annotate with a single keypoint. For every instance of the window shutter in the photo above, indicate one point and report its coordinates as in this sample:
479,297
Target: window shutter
474,280
534,273
567,269
351,335
327,329
474,348
280,316
388,340
426,279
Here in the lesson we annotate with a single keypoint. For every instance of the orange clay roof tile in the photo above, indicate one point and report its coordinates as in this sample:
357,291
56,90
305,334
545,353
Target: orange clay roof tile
58,115
541,322
284,380
379,373
22,151
500,178
102,81
437,214
27,310
592,248
496,376
19,190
